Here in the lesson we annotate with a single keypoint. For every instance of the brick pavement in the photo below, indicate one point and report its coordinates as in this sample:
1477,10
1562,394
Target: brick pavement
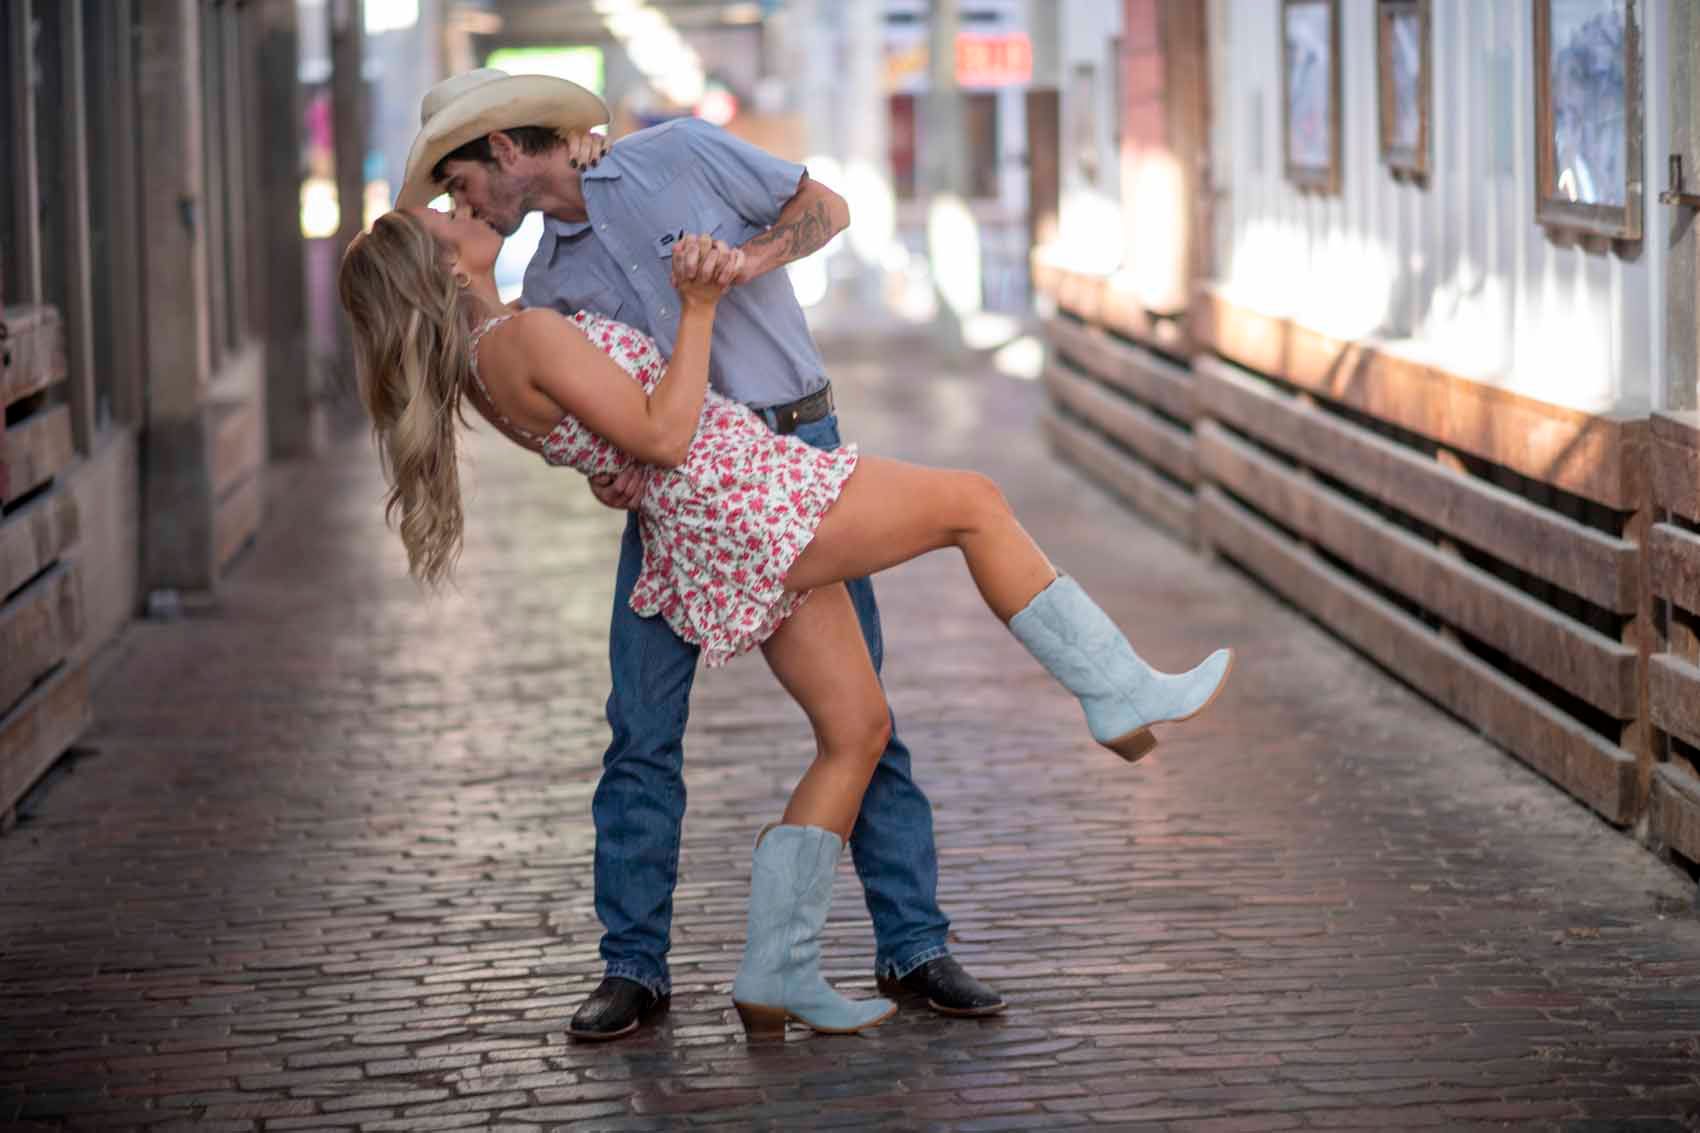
330,864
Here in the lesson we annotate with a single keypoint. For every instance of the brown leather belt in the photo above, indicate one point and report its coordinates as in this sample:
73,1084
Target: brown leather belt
805,410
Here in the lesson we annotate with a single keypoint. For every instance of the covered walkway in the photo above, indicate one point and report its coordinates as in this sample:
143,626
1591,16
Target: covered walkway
328,863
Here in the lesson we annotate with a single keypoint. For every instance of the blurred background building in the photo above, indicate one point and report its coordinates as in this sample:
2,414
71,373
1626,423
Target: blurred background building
1426,369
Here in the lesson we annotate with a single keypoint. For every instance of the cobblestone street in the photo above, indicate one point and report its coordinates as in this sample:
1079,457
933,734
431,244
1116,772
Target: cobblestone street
327,862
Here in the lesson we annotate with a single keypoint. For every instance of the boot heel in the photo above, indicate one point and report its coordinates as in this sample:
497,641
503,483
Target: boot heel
761,1024
1134,745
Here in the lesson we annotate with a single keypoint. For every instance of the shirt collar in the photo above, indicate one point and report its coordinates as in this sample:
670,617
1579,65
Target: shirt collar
606,170
564,227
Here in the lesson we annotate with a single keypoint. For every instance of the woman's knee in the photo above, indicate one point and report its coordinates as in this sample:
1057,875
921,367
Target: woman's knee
982,501
879,733
873,728
861,732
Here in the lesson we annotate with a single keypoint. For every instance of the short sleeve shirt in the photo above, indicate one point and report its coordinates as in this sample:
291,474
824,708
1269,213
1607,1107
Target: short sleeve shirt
683,176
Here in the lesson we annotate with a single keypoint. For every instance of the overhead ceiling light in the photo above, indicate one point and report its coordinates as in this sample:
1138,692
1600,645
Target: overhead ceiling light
655,48
635,22
390,15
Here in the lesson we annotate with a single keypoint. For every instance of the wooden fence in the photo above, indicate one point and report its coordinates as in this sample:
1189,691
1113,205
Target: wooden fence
1532,569
1673,692
44,696
1121,396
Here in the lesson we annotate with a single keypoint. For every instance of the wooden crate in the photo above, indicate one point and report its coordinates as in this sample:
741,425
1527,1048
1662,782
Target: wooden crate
1673,673
43,695
1487,548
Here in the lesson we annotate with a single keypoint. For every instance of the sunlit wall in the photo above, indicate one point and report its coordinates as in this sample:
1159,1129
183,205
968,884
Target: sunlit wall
1458,272
1090,233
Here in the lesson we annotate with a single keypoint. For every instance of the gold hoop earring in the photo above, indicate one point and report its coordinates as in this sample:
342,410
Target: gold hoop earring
462,280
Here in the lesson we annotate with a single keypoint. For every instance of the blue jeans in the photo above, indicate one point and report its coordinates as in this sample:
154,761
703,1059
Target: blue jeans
639,806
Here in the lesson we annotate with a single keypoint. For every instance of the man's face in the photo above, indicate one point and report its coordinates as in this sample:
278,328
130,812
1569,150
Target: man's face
469,244
488,193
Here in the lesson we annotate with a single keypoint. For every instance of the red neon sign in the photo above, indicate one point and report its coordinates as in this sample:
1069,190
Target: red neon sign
994,60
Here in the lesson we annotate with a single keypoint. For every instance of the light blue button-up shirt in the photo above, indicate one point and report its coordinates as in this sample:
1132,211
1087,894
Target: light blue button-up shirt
684,175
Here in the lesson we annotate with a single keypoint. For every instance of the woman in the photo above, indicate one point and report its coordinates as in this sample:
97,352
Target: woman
740,526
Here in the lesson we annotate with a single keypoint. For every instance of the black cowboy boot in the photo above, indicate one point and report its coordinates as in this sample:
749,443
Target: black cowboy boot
614,1009
946,987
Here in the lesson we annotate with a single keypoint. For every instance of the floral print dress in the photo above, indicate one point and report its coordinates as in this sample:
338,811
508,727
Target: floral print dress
722,529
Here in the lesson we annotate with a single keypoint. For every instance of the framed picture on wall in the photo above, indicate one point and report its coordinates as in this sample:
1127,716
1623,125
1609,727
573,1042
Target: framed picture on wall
1310,93
1588,116
1083,120
1403,82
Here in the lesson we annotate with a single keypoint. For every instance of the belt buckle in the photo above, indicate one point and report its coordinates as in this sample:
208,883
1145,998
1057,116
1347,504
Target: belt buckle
787,418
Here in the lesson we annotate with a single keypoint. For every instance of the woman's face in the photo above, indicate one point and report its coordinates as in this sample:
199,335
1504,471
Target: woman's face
472,245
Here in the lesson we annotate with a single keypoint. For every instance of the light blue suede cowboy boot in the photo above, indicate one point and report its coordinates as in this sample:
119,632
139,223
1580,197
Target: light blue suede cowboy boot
790,891
1123,696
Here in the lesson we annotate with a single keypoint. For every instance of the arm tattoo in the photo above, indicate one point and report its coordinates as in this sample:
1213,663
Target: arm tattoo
798,238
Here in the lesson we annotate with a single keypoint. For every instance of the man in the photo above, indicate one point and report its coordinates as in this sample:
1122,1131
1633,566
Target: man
502,146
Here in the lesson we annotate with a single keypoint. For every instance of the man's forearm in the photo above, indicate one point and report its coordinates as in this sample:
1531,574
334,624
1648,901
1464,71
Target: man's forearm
808,220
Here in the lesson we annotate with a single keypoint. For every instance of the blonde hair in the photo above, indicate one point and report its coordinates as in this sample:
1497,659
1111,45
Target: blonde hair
412,347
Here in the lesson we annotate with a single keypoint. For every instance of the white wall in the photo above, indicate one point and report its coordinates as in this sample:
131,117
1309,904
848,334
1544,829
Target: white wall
402,65
1090,222
1457,273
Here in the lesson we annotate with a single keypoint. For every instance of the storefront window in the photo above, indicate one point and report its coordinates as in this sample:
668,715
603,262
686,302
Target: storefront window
980,114
68,207
224,95
113,207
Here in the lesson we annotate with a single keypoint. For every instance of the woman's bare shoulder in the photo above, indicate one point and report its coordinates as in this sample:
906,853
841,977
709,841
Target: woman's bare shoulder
555,356
541,320
541,333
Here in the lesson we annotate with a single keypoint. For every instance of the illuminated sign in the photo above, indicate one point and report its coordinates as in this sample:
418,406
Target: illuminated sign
994,60
982,61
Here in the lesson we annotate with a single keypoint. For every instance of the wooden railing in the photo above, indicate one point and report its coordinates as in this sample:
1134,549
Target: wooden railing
1122,402
1533,569
44,701
1673,693
1483,546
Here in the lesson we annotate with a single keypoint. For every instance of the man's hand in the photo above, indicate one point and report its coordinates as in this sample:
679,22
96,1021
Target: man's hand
586,149
703,267
621,491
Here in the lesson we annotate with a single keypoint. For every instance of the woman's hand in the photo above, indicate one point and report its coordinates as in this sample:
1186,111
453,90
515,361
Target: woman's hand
703,268
585,149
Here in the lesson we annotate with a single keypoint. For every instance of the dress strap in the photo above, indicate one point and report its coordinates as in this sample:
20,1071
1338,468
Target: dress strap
478,334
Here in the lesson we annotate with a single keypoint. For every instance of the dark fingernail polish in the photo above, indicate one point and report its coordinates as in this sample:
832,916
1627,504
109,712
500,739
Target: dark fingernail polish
574,161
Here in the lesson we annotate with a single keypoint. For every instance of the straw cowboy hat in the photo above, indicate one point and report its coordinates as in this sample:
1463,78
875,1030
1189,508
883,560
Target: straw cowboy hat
465,107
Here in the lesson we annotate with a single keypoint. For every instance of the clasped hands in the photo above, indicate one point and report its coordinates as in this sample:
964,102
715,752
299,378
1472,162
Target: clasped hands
703,269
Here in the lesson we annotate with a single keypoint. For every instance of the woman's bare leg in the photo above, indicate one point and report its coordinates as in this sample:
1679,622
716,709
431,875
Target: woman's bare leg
819,656
890,512
821,659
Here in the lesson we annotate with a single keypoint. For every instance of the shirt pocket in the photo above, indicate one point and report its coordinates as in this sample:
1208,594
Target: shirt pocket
715,226
599,297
